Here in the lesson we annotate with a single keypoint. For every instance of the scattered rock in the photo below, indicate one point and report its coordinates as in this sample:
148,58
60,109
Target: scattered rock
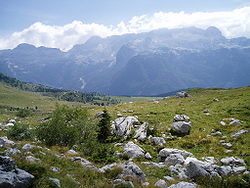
145,184
158,165
217,133
159,141
123,126
183,184
141,133
72,152
239,133
161,183
85,163
232,161
235,122
216,100
168,178
119,182
12,151
32,159
222,123
178,170
99,114
228,151
226,145
206,111
55,169
181,117
166,152
148,156
5,142
182,94
56,181
28,147
11,176
133,171
133,150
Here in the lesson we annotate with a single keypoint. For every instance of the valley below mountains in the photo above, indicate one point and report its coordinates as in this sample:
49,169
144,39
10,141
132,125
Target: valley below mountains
149,63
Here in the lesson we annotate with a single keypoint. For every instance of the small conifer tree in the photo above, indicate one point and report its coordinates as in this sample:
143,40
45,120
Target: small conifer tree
104,128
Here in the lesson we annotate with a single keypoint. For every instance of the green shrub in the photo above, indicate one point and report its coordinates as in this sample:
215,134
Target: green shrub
23,113
67,127
99,152
20,132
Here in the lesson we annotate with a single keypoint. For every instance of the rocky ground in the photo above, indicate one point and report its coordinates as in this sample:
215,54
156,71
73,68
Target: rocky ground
147,156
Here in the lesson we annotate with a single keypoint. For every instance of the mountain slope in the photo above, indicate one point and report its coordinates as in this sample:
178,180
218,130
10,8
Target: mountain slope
136,64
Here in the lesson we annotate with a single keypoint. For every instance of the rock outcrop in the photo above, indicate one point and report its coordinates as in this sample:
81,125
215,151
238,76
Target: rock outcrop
123,126
11,176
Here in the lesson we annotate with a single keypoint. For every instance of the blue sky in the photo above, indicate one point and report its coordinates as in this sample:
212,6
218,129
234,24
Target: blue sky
46,22
19,14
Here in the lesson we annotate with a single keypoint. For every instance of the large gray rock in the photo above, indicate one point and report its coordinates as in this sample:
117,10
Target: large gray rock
183,184
133,150
11,176
196,170
123,126
159,141
180,128
141,133
166,152
174,159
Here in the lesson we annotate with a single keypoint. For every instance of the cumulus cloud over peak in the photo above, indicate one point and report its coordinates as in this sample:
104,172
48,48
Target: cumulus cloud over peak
233,23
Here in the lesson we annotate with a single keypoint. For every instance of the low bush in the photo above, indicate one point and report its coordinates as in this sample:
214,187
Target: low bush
99,152
20,132
66,127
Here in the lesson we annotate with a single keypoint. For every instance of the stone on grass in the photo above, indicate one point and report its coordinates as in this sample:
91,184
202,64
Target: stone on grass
133,150
159,141
180,128
5,142
161,183
32,159
141,133
72,152
183,184
28,147
56,181
164,153
239,133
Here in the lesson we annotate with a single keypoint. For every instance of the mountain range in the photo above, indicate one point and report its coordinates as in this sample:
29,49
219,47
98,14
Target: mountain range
147,63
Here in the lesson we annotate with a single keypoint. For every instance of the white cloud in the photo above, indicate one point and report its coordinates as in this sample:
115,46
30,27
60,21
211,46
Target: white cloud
232,24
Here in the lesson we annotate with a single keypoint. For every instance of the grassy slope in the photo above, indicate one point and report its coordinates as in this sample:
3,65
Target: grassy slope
232,103
12,97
